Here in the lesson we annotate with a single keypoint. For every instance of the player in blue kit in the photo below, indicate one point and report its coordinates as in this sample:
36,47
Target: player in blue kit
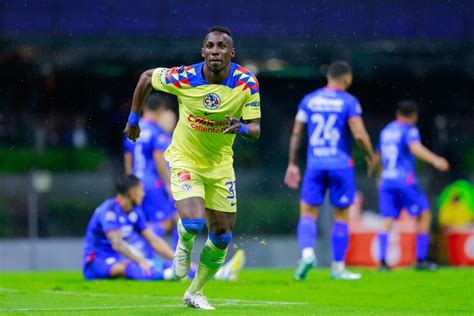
106,252
331,115
398,146
145,159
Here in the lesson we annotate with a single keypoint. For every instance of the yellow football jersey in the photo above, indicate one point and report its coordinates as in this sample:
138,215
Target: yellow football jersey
198,139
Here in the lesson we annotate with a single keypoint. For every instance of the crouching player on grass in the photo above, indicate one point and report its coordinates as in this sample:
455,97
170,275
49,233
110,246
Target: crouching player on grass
107,253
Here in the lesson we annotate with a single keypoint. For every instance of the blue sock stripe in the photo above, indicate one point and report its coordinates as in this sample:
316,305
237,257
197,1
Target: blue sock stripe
193,225
340,228
383,242
422,244
221,241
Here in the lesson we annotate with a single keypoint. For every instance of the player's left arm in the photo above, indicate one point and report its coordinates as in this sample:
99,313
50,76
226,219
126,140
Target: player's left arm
423,153
377,161
158,244
249,126
249,129
413,141
359,132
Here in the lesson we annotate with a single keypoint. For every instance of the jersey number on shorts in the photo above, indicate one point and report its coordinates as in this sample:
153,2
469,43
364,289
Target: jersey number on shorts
231,196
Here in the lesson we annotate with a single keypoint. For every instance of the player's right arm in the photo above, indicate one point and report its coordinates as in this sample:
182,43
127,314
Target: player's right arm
293,176
359,132
128,147
142,90
157,243
423,153
127,162
162,168
122,247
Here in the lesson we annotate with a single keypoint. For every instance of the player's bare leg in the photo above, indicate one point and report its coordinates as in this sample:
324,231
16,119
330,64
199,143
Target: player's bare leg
340,242
213,254
306,233
422,242
192,213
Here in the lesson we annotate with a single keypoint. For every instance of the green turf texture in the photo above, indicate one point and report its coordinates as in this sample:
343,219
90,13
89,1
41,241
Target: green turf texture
258,292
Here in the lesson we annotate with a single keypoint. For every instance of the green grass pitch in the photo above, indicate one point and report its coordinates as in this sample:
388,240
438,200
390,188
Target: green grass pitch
258,292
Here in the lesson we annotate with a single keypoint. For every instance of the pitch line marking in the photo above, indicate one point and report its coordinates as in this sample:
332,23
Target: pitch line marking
170,297
221,302
91,308
130,307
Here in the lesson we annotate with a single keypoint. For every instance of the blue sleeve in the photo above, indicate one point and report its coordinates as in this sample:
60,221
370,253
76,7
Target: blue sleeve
412,136
127,145
378,147
353,107
109,221
140,224
160,141
302,115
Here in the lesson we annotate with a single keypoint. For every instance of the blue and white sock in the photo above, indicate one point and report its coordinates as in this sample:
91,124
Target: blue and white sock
422,243
306,234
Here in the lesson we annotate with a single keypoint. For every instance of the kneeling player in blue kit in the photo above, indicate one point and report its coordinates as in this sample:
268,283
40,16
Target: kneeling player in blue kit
107,253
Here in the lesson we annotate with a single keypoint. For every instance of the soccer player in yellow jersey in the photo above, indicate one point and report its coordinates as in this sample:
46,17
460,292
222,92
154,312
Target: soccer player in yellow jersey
217,99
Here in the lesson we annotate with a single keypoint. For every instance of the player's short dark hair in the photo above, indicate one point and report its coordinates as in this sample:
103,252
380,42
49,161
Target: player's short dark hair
339,68
125,183
221,29
156,102
407,108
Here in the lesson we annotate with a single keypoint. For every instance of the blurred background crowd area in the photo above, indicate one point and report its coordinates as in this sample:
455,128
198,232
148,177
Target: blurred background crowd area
69,68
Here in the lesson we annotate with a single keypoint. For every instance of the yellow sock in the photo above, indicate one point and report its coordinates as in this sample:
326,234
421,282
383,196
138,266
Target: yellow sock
212,258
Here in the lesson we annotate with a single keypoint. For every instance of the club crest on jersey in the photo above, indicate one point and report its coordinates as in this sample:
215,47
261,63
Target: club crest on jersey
211,101
186,187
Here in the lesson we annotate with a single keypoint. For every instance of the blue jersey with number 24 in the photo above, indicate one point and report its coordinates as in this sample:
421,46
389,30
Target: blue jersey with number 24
326,112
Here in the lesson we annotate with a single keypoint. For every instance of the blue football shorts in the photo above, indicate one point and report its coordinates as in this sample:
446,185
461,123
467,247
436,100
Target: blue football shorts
339,182
410,197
